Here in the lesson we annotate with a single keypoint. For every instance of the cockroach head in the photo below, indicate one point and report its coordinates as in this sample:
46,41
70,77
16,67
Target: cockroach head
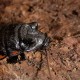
34,38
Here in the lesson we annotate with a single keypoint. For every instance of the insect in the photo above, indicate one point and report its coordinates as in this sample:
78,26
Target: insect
15,39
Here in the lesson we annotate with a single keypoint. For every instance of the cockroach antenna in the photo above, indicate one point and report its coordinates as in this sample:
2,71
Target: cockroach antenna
48,64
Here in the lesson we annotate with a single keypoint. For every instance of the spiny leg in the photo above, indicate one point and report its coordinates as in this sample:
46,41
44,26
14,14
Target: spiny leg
22,56
48,64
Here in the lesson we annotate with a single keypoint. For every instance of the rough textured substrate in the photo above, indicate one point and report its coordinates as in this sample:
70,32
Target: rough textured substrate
60,19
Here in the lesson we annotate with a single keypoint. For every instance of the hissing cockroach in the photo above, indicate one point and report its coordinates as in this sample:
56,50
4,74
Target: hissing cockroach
15,39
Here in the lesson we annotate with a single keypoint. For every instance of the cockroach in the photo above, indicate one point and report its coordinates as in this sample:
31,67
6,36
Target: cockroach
15,39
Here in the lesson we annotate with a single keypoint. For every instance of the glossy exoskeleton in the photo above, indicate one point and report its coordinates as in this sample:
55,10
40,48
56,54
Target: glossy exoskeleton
17,38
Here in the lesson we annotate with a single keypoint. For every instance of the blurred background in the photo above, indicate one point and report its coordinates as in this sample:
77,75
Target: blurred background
60,19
